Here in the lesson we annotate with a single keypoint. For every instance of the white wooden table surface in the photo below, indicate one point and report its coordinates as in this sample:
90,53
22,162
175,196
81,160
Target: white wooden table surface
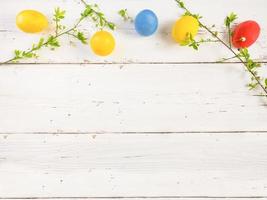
152,121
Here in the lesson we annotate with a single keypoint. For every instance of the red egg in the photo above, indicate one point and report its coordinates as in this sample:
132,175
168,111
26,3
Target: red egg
245,34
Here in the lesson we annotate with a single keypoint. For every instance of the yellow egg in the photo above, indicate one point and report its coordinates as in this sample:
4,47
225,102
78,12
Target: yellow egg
31,21
183,28
102,43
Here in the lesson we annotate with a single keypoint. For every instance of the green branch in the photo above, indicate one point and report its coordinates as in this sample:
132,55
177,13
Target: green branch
243,56
92,11
52,41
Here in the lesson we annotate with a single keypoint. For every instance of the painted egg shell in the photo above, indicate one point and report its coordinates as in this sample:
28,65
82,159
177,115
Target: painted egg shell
146,22
102,43
245,34
31,21
186,25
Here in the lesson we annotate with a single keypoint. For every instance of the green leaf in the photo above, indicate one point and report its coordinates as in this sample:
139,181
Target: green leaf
88,11
230,19
17,53
59,14
124,14
28,54
52,42
244,53
40,43
181,4
252,86
112,26
81,37
196,16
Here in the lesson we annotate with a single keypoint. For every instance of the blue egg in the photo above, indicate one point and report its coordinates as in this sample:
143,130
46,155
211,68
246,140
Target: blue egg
146,23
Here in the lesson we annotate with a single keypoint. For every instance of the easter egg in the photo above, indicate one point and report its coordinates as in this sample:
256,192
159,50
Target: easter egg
31,21
146,22
102,43
245,34
183,28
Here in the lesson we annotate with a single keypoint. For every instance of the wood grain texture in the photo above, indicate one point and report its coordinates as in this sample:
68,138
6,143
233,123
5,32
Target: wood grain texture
128,98
155,122
143,198
124,165
131,48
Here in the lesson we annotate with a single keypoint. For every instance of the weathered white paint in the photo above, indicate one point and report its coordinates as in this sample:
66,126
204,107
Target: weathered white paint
147,198
133,165
107,111
130,98
142,198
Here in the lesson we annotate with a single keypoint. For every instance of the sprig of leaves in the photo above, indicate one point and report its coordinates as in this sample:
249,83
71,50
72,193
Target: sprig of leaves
125,15
242,55
58,16
229,20
18,54
181,4
197,16
252,66
191,42
93,12
80,36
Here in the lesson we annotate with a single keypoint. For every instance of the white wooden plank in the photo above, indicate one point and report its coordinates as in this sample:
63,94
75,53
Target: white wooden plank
127,165
130,98
142,198
130,46
147,198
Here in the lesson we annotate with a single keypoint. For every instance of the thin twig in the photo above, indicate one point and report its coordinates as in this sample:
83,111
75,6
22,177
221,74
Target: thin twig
226,59
57,35
229,37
